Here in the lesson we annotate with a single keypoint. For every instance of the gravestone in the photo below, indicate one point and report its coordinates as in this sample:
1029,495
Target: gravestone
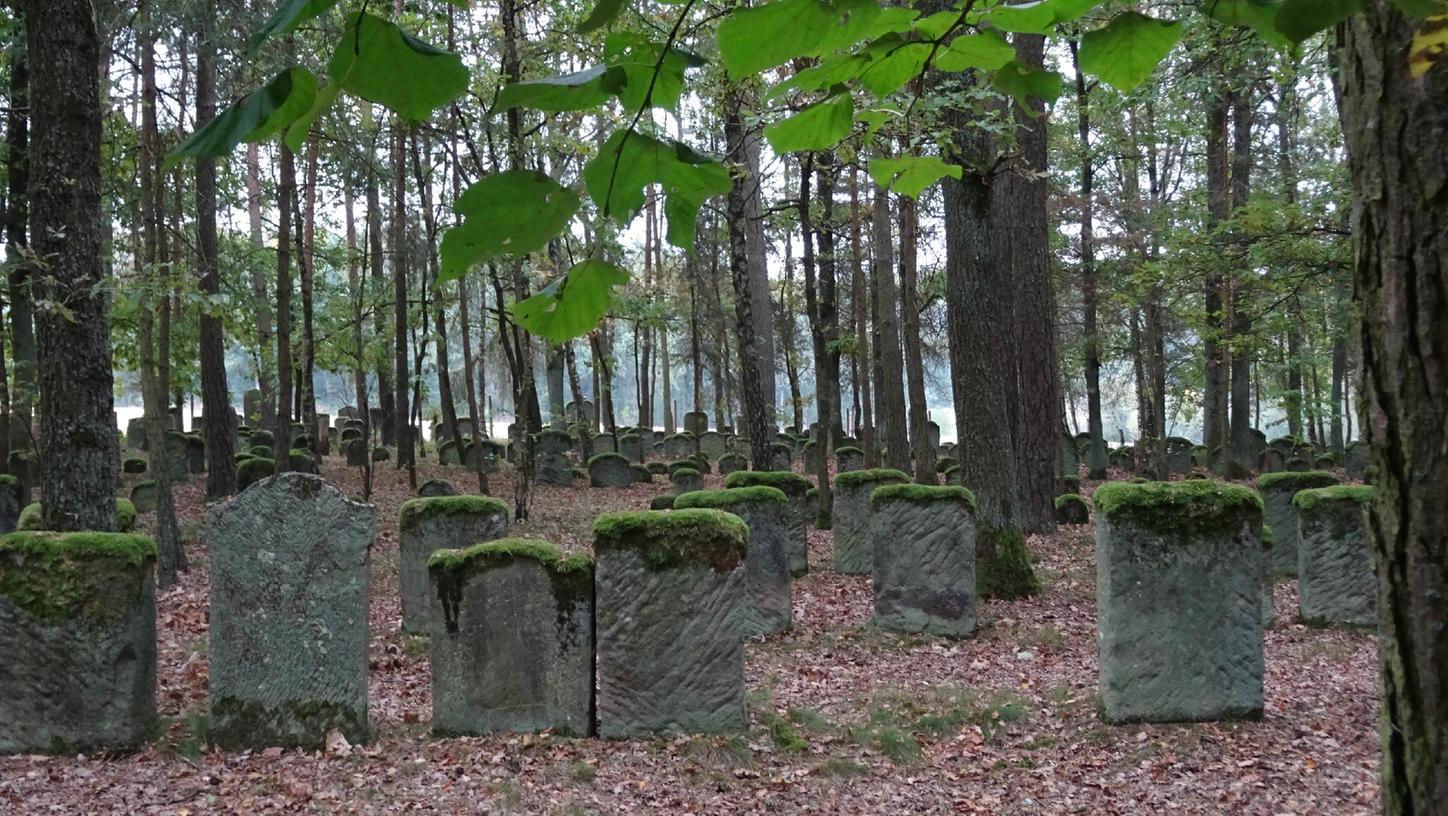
145,496
440,523
195,454
932,434
512,651
251,406
356,453
289,626
796,490
923,564
781,457
696,422
630,448
1179,594
1178,455
135,434
686,479
854,544
604,443
679,445
849,458
1355,460
1277,490
712,444
810,457
669,611
1068,459
610,470
1072,509
78,632
767,585
730,462
1336,582
1272,461
432,488
551,457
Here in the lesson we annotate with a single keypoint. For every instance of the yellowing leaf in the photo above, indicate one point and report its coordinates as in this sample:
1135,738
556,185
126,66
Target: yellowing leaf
1430,43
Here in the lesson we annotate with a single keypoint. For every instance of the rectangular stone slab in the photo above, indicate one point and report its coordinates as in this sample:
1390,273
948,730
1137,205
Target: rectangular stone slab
924,567
1336,582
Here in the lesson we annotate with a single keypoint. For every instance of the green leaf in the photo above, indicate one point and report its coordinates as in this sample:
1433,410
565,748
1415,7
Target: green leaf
759,38
910,175
579,90
604,12
895,64
830,72
381,63
299,130
256,117
572,304
1128,49
511,213
987,50
1035,18
1258,15
630,161
1026,83
288,17
1300,19
632,59
1422,8
821,125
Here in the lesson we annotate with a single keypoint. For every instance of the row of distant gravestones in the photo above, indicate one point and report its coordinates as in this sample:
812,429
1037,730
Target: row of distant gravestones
647,637
1281,454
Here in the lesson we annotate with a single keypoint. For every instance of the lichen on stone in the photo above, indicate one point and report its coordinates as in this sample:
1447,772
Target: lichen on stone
730,497
703,537
1295,480
1309,499
415,510
1185,508
792,484
56,577
860,478
31,517
921,494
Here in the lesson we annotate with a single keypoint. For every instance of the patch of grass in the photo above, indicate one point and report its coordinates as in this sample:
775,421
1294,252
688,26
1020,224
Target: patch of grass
811,721
416,645
1040,741
719,752
1048,638
1101,736
580,771
787,738
189,739
508,792
841,768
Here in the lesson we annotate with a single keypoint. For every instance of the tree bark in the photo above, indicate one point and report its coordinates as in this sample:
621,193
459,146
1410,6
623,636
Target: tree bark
1214,392
397,247
261,296
890,391
1241,461
757,416
21,270
924,454
860,303
282,430
1090,338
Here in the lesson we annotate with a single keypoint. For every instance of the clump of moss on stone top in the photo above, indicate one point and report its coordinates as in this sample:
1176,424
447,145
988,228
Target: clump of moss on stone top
1295,480
664,502
415,510
1309,499
1191,507
684,473
848,450
55,577
682,463
792,484
1069,499
1268,537
606,456
31,516
921,494
504,550
699,536
724,499
8,480
860,478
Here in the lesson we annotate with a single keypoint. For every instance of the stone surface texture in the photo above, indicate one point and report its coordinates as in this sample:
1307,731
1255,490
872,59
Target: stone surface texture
425,534
1336,582
854,547
924,566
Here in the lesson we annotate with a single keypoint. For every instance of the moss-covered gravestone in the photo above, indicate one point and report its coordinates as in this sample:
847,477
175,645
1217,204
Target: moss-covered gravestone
78,635
1336,583
441,523
670,605
924,559
144,496
780,458
550,452
1179,601
610,470
765,511
641,474
801,511
432,488
289,630
810,457
712,444
630,447
1179,455
664,502
685,480
31,518
512,650
854,545
1072,509
849,458
679,445
1277,490
730,462
356,452
251,470
604,443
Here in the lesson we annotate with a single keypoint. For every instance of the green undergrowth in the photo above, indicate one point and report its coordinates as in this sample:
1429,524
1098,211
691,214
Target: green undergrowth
1003,563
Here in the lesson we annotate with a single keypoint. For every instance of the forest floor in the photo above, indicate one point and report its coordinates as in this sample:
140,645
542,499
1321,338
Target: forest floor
844,718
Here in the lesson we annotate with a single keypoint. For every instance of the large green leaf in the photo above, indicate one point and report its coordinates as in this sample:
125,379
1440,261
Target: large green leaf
511,213
639,69
757,39
580,90
299,130
830,71
821,125
1036,18
572,304
1128,49
910,175
289,16
1258,15
1300,19
257,117
381,63
604,12
1025,83
987,50
629,161
894,64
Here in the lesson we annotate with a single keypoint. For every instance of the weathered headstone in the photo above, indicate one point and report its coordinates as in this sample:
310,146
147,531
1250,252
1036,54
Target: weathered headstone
696,422
78,632
686,479
433,488
1355,460
251,405
767,584
1068,459
712,445
252,469
854,545
1178,455
630,448
357,453
781,457
440,523
136,434
289,631
801,512
730,462
923,563
1336,583
1072,509
849,458
670,602
144,496
679,445
512,650
604,443
810,457
1277,490
610,470
1179,594
551,455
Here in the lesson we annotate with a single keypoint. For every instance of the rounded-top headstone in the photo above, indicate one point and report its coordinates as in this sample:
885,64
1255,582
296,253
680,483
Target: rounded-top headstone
433,488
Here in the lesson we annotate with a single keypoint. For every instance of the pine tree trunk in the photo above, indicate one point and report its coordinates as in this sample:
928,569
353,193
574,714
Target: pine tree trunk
282,430
1241,459
860,303
17,202
890,391
924,454
307,387
261,296
397,232
1214,392
1090,338
759,423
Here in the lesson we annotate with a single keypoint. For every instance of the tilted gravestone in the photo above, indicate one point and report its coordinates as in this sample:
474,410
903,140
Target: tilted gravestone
610,470
289,627
1336,583
767,585
670,591
440,523
1179,594
78,632
1277,490
801,511
924,559
854,545
512,650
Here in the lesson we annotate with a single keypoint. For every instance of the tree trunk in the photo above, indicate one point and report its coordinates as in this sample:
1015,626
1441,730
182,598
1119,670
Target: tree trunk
17,201
1214,392
813,305
757,415
860,303
762,308
261,296
1090,338
924,454
282,430
386,407
890,393
1241,461
397,247
307,387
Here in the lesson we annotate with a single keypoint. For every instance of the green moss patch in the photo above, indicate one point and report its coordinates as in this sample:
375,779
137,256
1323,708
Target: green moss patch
505,550
1003,564
415,510
685,473
682,463
605,457
724,499
792,484
31,516
56,577
8,480
253,470
664,502
1191,507
1309,499
1069,500
1295,481
849,450
677,538
860,478
921,494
